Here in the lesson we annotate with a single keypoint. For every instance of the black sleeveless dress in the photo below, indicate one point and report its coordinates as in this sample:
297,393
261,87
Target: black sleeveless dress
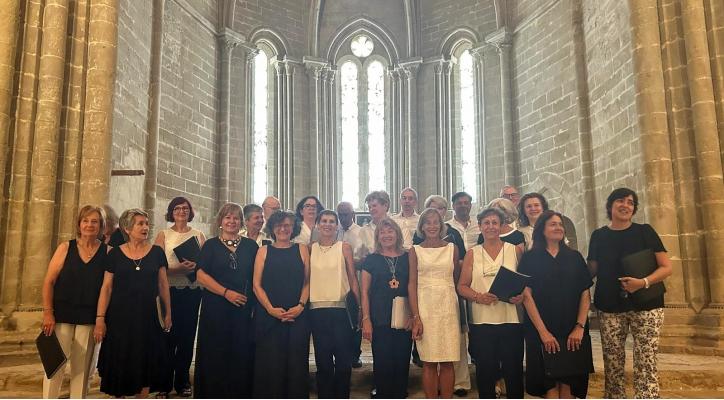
76,291
132,354
281,365
225,336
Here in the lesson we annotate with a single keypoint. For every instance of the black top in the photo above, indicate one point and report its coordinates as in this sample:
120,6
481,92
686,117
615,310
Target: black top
514,237
233,271
453,236
556,284
76,290
381,294
116,238
607,248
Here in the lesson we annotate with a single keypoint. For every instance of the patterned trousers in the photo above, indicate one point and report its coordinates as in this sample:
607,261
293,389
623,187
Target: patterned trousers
645,327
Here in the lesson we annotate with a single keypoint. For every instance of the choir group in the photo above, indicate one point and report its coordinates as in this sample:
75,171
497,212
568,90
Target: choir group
414,285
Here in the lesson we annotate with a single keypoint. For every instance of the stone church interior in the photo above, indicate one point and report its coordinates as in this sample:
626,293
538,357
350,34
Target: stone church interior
132,103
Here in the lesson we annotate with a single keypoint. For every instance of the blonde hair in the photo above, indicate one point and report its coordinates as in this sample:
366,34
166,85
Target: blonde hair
87,210
229,208
437,199
387,222
126,220
425,214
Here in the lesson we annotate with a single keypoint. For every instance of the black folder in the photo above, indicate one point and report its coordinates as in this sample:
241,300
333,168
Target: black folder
189,250
565,362
51,354
640,265
508,283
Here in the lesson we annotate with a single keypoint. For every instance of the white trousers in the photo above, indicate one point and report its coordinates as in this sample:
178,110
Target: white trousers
78,345
462,370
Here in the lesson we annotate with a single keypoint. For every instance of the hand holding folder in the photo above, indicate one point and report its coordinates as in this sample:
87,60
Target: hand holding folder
51,353
189,251
508,284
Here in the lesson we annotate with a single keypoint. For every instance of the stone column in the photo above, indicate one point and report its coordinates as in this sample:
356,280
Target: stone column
227,41
409,132
443,70
154,114
708,151
319,143
9,28
395,142
715,30
478,54
655,144
14,217
249,52
502,40
329,110
284,123
37,238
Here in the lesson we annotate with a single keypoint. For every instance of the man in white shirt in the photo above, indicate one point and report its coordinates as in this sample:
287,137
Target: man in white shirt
407,218
378,203
348,229
461,221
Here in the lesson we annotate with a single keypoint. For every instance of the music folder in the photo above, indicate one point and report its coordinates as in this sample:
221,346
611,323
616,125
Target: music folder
188,250
508,283
566,362
51,354
640,265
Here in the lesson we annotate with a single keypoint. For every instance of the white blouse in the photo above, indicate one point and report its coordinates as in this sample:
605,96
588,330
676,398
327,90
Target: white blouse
328,282
485,268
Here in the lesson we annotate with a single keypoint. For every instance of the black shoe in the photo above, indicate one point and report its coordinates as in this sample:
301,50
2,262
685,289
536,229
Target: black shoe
357,363
460,392
185,392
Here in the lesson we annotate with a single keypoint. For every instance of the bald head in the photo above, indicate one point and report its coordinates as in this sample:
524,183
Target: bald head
270,205
345,213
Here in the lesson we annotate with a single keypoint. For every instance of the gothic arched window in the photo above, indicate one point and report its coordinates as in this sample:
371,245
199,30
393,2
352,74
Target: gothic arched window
260,149
468,142
362,120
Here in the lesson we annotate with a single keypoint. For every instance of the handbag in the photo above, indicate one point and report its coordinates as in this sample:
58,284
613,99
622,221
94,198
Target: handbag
400,313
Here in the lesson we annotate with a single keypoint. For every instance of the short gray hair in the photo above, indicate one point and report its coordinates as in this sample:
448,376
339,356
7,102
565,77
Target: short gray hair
126,219
435,198
510,212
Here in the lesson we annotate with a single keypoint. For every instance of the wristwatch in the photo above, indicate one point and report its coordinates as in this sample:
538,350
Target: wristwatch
580,325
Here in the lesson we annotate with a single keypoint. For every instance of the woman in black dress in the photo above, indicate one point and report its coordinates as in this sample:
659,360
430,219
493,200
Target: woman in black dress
385,275
225,350
556,301
281,285
132,360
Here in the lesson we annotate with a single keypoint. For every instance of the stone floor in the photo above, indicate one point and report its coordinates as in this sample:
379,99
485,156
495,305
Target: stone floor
682,375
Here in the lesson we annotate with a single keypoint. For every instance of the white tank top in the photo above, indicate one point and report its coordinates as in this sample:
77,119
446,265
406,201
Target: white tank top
171,240
328,282
484,271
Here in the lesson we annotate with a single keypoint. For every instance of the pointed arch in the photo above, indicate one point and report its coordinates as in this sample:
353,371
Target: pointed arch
363,26
271,38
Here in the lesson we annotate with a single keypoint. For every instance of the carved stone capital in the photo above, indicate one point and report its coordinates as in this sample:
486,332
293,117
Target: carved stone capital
501,40
229,39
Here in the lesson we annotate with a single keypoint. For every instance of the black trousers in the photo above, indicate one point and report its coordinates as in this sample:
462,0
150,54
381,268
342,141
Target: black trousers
331,334
495,348
281,363
391,357
184,317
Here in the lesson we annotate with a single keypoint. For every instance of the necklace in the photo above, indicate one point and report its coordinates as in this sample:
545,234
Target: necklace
392,265
231,242
325,249
138,264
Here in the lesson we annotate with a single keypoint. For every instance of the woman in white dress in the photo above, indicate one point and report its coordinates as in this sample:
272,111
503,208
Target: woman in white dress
434,303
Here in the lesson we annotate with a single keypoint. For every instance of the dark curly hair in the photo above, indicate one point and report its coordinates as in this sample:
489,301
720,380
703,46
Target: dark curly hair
300,206
278,217
521,206
175,202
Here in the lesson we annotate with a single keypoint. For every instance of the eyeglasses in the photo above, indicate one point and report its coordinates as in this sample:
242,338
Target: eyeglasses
310,206
511,195
181,208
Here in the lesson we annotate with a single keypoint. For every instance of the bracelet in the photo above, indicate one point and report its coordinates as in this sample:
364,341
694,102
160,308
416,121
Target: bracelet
225,290
646,281
364,318
580,325
301,303
100,316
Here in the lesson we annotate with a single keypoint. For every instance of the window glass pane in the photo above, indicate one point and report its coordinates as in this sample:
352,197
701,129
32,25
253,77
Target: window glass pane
350,126
467,122
376,125
259,144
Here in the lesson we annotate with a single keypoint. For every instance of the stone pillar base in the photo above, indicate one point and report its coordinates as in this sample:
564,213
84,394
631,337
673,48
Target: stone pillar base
685,331
22,321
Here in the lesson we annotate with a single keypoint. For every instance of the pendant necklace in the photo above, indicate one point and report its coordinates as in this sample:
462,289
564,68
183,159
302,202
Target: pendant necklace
138,264
325,249
392,264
